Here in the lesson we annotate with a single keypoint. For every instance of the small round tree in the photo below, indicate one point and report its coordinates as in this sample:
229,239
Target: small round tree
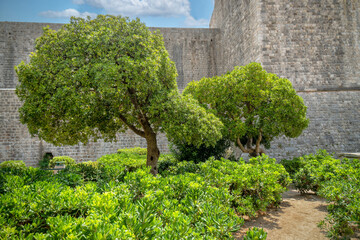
95,78
255,106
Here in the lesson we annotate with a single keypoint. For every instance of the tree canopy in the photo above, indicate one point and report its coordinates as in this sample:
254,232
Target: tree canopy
254,106
95,78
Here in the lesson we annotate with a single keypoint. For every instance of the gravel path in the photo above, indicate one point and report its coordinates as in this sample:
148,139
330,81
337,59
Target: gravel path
296,219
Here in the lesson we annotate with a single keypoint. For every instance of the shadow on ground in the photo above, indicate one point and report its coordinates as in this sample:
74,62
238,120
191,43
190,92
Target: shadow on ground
295,219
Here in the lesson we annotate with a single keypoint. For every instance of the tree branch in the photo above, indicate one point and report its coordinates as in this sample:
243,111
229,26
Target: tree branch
257,148
133,128
241,146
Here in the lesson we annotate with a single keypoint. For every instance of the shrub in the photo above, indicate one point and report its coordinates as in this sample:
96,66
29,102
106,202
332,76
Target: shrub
194,201
314,170
254,186
165,162
44,162
135,150
68,178
339,182
342,191
13,165
68,161
188,152
89,171
181,168
130,161
292,166
255,234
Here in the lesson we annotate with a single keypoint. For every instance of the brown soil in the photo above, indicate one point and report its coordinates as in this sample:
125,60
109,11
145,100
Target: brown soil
295,219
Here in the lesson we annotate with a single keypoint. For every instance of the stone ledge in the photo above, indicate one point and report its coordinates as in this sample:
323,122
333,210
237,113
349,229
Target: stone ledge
349,155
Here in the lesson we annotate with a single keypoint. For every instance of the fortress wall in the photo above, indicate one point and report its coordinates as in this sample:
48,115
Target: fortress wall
315,44
193,50
334,126
240,24
17,40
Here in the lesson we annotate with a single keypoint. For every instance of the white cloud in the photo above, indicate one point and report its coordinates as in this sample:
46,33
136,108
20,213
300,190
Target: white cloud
190,21
135,8
67,13
141,7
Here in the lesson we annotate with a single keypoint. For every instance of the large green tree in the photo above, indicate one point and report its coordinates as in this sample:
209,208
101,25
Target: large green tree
255,106
95,78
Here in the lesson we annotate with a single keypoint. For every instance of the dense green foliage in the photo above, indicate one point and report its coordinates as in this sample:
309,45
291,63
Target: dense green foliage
254,106
202,204
292,166
337,180
255,234
135,150
189,152
44,162
61,159
95,78
15,164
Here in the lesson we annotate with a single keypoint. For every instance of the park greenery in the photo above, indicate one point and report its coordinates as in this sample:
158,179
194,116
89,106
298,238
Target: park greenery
95,78
254,106
338,181
116,198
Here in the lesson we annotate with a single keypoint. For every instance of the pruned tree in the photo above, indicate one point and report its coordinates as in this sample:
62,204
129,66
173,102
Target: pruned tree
95,78
254,106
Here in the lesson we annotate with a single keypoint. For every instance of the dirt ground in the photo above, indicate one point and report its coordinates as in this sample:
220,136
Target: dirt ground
295,219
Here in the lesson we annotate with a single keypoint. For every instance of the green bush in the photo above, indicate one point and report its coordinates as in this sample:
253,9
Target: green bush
314,170
135,150
193,201
14,165
44,162
165,162
342,191
130,161
68,161
89,171
255,234
292,166
339,182
192,153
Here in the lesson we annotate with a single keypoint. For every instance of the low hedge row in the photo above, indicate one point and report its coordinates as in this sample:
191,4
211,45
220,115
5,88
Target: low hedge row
195,202
338,181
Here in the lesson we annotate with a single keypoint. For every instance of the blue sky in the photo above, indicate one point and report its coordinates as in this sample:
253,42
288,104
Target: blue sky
155,13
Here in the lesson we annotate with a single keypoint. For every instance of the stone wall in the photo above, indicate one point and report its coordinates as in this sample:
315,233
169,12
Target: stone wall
334,125
240,25
193,50
17,40
316,45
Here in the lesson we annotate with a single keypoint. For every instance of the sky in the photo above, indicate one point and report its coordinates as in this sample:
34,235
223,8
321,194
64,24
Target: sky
154,13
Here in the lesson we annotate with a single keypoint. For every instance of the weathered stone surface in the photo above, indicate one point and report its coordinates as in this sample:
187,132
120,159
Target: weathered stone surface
315,44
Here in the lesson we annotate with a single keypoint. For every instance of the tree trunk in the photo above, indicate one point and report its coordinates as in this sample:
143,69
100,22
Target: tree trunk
153,153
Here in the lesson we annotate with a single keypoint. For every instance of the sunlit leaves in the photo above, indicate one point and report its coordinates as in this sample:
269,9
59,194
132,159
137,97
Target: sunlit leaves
250,101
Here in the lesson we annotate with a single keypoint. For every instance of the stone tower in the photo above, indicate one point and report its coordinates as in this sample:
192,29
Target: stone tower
316,45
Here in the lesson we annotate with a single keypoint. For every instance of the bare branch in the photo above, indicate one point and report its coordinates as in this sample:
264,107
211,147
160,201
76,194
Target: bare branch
133,128
241,146
257,148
